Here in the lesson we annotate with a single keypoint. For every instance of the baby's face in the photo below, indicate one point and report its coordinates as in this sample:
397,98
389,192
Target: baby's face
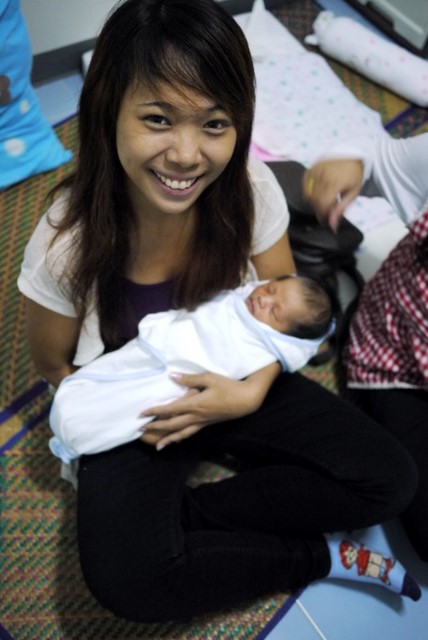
277,303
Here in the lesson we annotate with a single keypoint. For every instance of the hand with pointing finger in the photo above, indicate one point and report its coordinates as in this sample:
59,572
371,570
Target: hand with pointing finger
330,186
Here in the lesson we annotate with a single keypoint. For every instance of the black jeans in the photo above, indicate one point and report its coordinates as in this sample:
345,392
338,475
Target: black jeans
404,412
153,549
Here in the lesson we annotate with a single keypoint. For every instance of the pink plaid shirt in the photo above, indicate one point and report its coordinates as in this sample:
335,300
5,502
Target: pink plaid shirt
388,343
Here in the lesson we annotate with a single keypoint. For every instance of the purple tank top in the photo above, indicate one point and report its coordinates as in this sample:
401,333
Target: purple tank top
143,299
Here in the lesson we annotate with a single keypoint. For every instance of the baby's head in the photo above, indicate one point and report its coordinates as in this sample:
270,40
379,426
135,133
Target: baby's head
294,305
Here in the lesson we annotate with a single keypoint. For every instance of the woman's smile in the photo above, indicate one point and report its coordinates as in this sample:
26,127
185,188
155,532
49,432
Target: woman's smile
177,184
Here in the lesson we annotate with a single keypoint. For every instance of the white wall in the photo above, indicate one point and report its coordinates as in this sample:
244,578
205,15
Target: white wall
53,24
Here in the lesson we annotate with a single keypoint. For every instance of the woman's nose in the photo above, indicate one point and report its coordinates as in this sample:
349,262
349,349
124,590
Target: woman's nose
184,149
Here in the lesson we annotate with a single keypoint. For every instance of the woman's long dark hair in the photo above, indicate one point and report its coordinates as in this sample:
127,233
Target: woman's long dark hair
191,43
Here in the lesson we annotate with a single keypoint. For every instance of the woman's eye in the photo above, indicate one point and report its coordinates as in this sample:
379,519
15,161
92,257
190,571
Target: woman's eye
156,119
218,125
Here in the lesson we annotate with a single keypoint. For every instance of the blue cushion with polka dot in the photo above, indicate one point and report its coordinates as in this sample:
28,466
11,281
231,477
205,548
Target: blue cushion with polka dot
28,144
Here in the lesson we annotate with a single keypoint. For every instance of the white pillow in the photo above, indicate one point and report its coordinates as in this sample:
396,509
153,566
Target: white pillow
28,144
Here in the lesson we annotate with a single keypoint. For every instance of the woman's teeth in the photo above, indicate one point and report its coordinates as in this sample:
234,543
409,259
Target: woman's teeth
176,184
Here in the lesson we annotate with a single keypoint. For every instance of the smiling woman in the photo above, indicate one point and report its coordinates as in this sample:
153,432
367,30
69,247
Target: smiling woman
171,150
166,210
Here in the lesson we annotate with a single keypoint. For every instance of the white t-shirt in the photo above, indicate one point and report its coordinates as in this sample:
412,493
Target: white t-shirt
42,269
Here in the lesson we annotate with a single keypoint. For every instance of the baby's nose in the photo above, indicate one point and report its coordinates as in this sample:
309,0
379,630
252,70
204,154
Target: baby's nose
265,299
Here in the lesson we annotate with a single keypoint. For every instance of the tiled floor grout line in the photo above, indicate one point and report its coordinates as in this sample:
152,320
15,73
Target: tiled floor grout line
310,620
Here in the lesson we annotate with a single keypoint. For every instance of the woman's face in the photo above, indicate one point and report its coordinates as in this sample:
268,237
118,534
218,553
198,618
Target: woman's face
172,145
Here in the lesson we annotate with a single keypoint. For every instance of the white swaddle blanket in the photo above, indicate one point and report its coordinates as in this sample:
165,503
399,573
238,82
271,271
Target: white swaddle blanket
97,407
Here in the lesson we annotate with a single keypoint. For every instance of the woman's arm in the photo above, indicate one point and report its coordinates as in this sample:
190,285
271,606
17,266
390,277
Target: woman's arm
276,261
397,166
211,398
52,340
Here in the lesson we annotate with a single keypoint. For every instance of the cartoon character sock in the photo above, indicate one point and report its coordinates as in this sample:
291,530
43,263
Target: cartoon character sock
351,560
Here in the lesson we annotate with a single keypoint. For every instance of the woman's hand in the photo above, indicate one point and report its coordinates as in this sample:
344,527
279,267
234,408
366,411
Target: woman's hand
211,398
330,186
